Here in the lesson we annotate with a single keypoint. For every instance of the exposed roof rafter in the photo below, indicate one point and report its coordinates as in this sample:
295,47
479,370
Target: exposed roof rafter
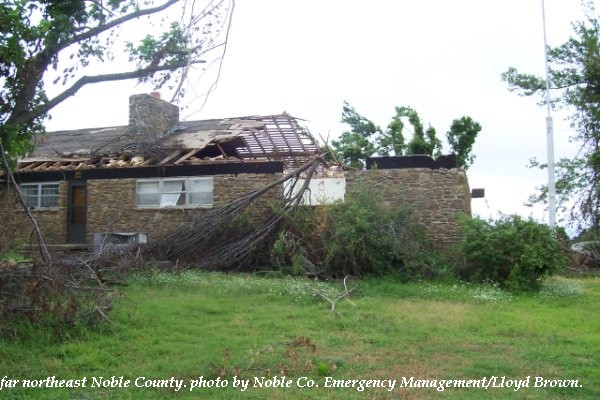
260,138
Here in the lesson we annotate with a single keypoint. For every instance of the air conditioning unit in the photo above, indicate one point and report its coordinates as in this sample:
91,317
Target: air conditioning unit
117,239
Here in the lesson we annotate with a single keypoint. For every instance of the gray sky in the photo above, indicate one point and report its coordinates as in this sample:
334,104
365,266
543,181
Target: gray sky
444,58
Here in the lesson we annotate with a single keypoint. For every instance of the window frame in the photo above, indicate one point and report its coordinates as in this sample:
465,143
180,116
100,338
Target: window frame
185,191
39,196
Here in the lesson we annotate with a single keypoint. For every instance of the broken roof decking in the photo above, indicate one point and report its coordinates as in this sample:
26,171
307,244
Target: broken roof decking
261,138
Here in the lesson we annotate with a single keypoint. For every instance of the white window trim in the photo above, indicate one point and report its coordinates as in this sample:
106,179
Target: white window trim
39,196
187,192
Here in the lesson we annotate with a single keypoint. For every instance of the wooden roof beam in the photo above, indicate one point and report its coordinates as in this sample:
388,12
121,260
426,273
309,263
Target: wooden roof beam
187,155
170,157
41,166
28,166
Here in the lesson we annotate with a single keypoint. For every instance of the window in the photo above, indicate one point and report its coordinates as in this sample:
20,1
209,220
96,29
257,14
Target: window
40,195
175,192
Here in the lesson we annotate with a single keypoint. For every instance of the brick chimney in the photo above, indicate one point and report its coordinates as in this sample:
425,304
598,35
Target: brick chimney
150,116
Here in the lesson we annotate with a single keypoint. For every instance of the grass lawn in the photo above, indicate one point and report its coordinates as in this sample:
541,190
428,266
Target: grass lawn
212,326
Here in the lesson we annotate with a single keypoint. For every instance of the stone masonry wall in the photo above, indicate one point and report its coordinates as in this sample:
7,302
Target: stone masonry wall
16,227
111,205
437,196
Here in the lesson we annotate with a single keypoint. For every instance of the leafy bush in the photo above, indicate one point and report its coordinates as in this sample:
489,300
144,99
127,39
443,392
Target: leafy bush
362,235
513,252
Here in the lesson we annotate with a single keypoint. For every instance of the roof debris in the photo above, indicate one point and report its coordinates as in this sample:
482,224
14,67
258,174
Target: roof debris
244,139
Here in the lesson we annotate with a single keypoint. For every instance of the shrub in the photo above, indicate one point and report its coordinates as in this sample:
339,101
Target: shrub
359,236
513,252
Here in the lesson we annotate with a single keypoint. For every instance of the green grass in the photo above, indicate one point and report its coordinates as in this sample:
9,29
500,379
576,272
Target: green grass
207,324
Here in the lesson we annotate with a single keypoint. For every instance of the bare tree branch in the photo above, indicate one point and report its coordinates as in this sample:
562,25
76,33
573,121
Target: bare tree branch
85,80
333,302
215,83
32,71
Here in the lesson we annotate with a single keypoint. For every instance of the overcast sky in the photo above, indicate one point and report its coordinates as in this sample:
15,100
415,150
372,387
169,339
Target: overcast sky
443,58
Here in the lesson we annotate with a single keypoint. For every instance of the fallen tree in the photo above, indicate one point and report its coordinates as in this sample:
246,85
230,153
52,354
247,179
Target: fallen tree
202,242
70,287
74,288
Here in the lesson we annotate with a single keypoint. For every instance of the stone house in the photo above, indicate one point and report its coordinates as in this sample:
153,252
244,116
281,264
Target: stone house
157,173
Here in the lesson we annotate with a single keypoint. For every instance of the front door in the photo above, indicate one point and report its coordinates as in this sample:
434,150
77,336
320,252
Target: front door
77,212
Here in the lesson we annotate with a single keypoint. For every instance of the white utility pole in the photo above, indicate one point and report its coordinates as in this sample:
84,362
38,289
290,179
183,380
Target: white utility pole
549,137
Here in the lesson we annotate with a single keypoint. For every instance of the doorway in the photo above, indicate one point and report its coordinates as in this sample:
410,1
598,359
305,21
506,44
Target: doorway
77,212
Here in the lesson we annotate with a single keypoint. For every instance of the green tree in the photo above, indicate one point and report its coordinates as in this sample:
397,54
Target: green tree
392,142
364,138
358,143
422,142
574,73
36,36
461,138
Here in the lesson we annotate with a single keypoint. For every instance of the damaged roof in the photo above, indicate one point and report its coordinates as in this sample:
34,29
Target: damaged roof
241,139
